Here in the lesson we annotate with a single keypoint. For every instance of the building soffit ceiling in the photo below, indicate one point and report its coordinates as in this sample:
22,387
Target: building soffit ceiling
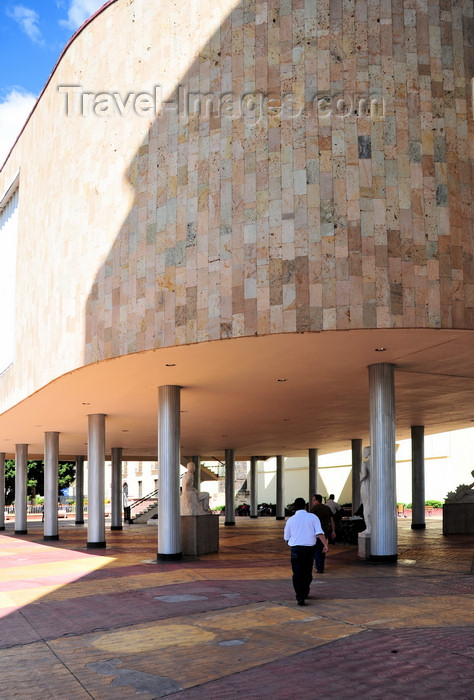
261,396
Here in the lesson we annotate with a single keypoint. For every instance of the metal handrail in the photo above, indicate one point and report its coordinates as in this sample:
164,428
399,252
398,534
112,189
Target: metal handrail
127,510
143,498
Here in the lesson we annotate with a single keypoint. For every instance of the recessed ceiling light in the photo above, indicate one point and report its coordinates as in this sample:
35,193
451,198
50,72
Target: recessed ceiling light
125,431
170,364
282,380
285,420
380,349
86,403
224,436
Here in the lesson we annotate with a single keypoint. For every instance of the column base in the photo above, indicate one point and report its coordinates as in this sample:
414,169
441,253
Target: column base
383,558
2,527
254,516
230,523
50,537
169,557
280,517
96,545
116,527
21,532
418,526
363,543
79,522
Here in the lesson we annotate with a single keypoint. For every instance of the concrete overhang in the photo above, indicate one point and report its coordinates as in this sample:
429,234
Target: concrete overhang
276,394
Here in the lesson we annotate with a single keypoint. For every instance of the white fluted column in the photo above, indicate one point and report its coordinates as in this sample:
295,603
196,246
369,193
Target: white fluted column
2,490
21,462
229,488
356,448
96,482
280,487
253,487
418,477
313,472
169,431
79,490
116,489
51,457
383,501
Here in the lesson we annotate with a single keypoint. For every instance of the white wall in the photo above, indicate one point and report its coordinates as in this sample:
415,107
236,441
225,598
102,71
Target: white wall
448,463
449,460
8,246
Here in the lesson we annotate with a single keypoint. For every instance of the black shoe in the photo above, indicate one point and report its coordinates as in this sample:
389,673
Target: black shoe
302,602
319,571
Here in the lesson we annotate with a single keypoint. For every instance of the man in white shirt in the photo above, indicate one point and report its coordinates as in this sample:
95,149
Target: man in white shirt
301,532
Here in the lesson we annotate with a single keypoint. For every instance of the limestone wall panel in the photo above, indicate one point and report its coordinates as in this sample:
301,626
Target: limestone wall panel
333,190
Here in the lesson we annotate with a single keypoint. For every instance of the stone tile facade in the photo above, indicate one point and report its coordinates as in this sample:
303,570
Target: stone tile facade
333,191
347,215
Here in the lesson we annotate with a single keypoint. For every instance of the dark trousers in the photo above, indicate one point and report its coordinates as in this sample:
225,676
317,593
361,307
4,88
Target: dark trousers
319,556
302,567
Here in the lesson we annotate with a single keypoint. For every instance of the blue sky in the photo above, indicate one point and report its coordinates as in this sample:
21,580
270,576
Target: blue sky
32,35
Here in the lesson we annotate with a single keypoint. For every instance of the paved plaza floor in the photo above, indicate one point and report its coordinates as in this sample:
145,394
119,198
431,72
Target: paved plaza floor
113,623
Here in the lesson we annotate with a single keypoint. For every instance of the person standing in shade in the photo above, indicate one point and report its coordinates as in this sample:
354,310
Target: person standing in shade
332,504
324,513
301,532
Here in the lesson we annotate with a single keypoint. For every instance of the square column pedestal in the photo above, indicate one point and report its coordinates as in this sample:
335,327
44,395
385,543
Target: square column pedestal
199,534
458,518
364,545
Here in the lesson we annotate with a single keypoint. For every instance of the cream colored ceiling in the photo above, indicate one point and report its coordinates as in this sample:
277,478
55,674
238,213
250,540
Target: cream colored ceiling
231,396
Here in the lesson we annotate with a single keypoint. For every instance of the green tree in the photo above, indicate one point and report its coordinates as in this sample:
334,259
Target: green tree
35,483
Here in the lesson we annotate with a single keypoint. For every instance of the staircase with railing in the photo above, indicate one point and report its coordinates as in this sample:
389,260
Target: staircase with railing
146,512
134,514
213,471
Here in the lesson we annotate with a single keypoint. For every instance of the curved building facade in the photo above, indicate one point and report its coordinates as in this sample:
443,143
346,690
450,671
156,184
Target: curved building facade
226,195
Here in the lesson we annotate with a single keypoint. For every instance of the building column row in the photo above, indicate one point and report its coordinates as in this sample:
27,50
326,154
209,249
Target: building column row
96,485
382,481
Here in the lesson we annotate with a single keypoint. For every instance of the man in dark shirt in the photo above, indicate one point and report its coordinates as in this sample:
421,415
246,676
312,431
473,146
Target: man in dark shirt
324,513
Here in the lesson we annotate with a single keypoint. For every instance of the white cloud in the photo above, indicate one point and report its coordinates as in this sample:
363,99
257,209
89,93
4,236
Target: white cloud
79,11
14,110
28,21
